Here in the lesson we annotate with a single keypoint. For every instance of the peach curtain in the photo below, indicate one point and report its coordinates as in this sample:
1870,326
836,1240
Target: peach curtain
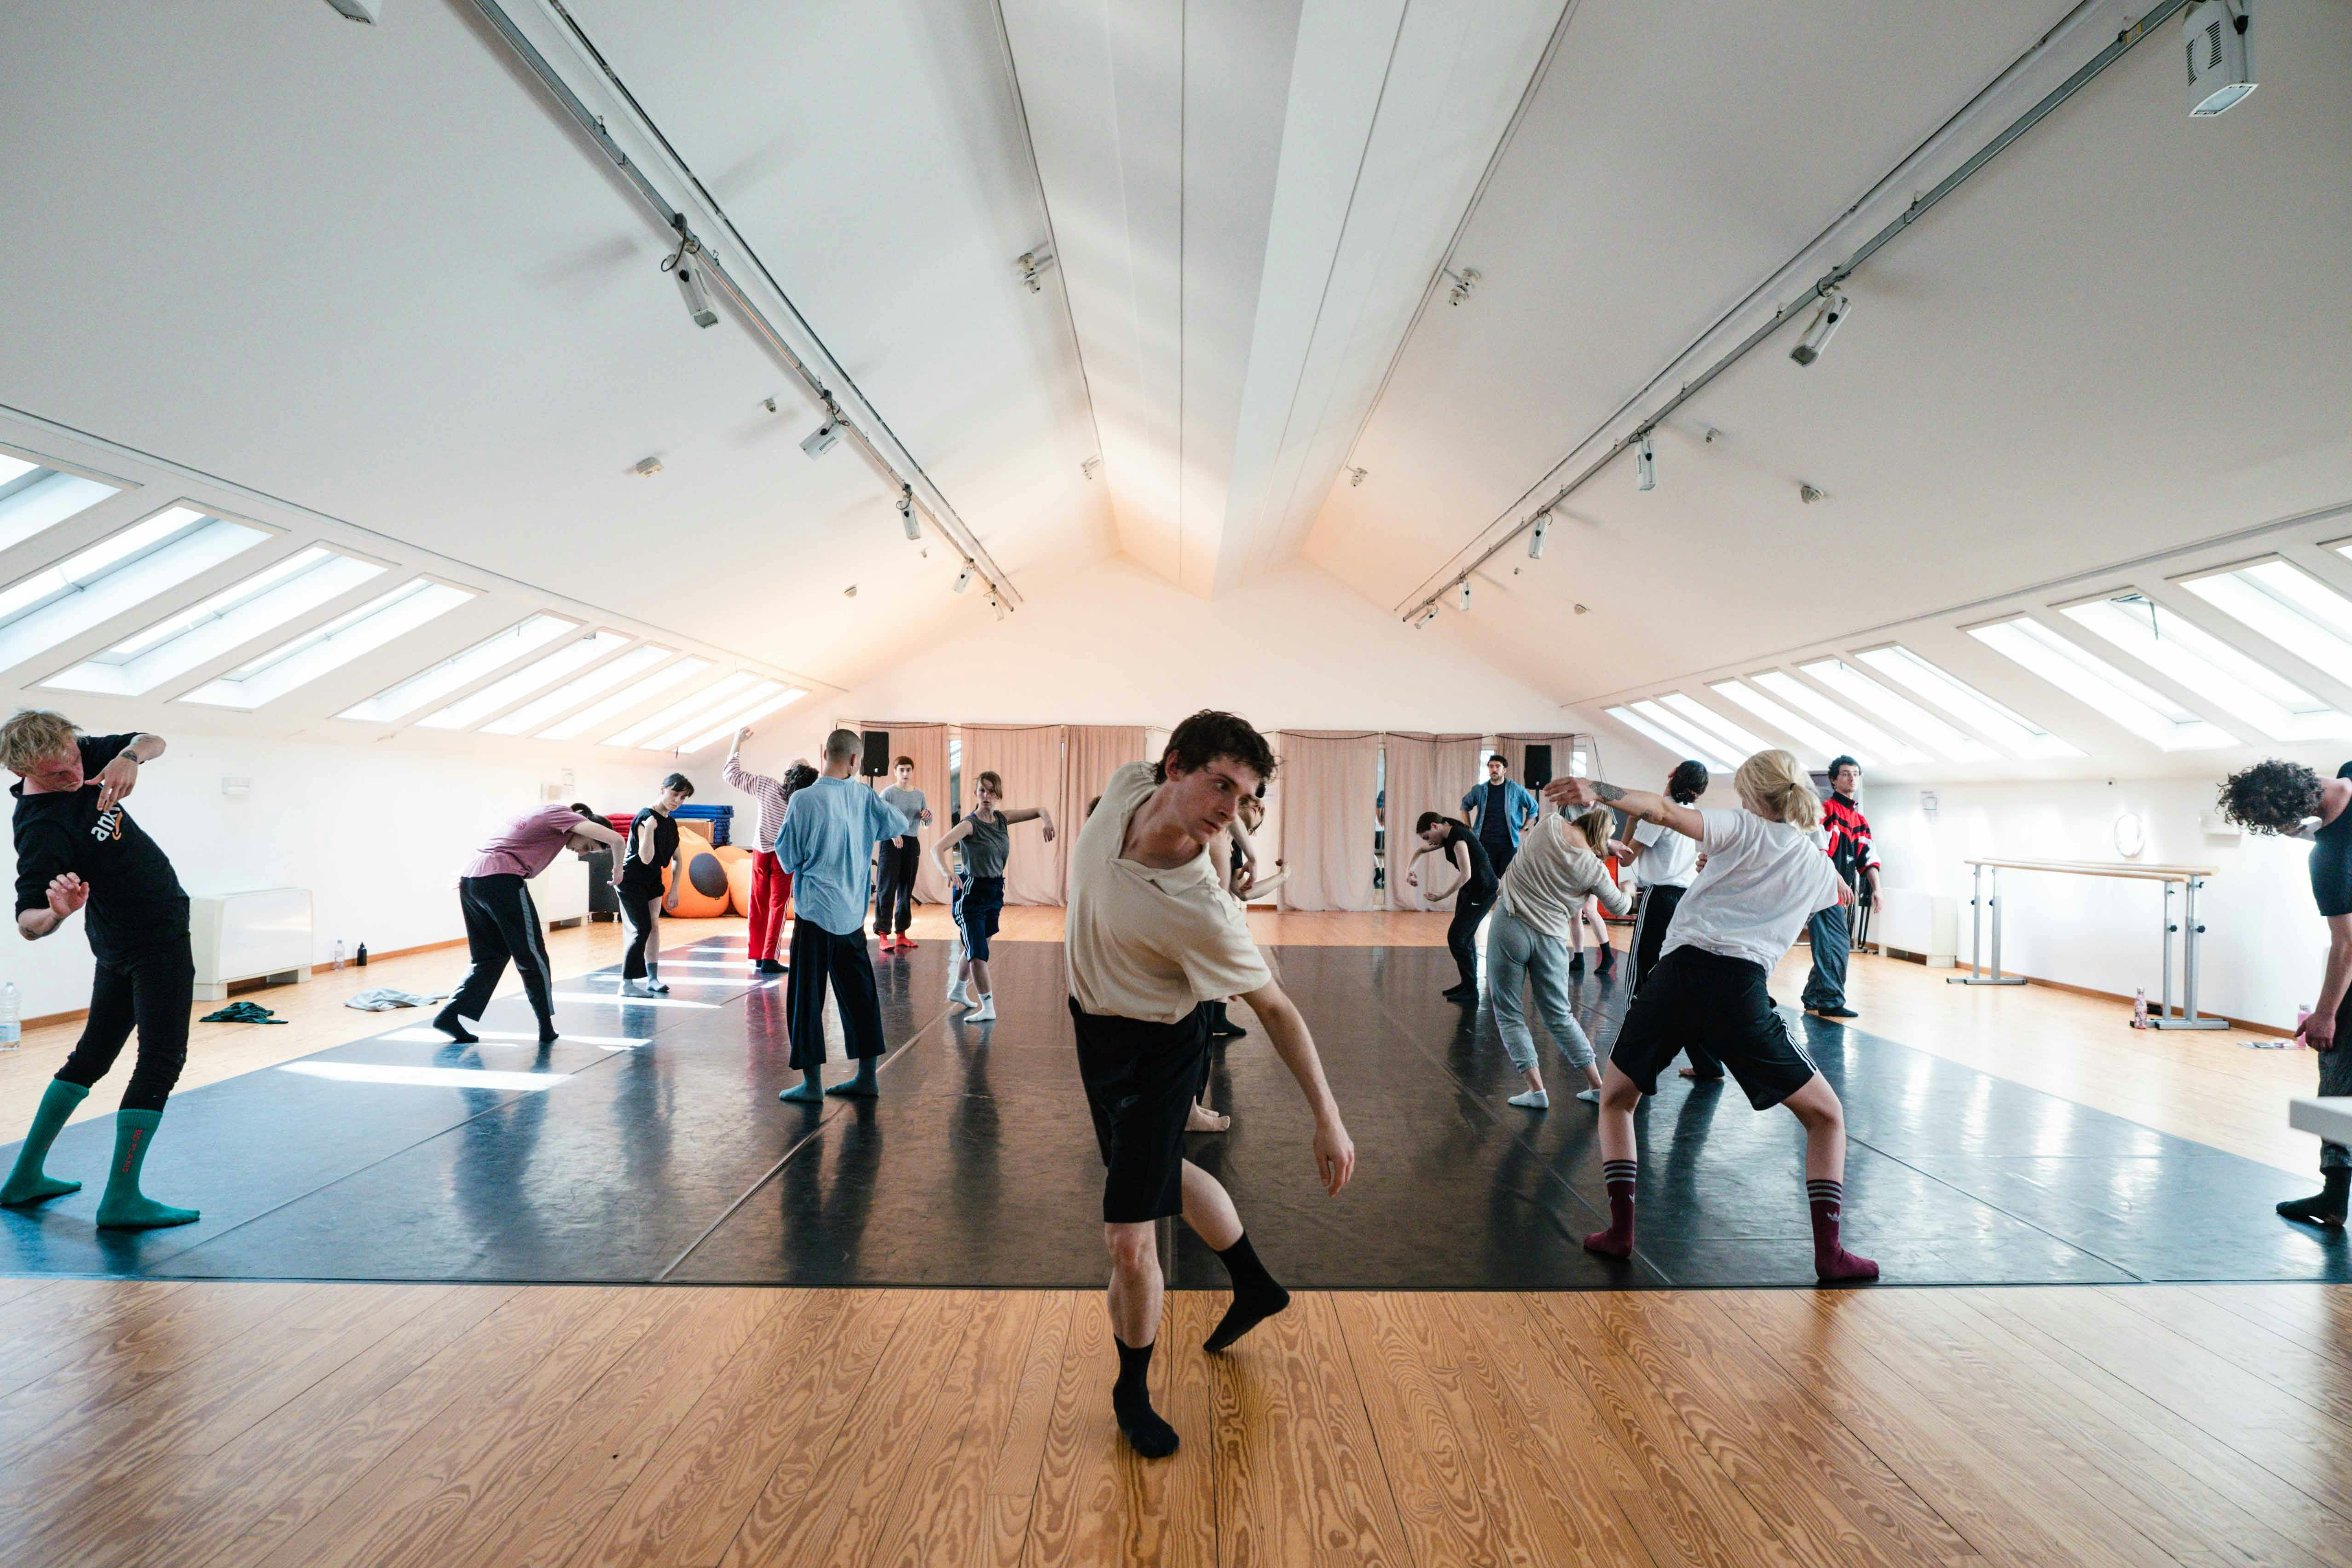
1090,754
1029,757
1327,784
928,744
1425,772
1514,750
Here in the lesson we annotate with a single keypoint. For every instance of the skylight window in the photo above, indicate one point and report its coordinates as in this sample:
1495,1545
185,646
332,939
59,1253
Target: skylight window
33,498
2161,638
471,709
620,702
459,669
1824,744
117,573
751,714
572,693
1797,694
694,710
2084,676
766,691
1741,742
1671,745
2286,605
1906,715
2011,730
330,647
1696,741
215,625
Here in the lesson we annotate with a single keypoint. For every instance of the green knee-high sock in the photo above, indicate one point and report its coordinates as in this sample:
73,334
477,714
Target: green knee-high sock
27,1183
124,1207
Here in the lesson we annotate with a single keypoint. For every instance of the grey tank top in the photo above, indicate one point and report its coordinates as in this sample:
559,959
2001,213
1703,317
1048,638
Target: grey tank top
991,842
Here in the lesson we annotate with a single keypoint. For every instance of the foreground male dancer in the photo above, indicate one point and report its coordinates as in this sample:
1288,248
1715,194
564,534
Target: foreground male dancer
1764,877
1152,936
827,844
2289,799
502,923
77,848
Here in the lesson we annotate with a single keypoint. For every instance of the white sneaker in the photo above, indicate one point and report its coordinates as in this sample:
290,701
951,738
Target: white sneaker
983,1014
1589,1096
958,996
658,987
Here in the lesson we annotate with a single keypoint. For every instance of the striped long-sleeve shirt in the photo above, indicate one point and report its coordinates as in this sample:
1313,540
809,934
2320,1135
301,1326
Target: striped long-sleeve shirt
769,792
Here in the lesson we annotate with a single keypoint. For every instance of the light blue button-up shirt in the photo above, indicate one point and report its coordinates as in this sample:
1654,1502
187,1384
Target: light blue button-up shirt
827,844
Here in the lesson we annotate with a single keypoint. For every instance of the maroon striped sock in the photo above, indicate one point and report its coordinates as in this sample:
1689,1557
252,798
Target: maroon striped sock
1831,1262
1617,1241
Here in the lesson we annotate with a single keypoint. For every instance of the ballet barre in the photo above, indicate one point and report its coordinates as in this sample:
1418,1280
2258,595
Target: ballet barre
2186,880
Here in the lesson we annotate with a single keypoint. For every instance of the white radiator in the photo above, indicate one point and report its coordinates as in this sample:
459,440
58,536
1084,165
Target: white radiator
560,893
1924,925
266,933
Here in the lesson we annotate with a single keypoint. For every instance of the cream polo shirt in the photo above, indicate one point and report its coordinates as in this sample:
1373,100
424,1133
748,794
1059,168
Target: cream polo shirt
1144,944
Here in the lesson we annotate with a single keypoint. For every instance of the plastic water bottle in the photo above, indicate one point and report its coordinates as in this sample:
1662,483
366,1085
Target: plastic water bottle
2139,1009
339,952
12,1028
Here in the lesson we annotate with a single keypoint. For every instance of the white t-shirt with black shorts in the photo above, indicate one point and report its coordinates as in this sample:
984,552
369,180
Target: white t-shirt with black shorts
1145,948
1763,881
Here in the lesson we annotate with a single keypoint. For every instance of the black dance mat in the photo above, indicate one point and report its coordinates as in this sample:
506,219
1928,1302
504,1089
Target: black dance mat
651,1146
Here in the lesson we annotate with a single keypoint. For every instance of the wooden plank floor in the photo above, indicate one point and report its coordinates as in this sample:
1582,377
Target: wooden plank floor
158,1424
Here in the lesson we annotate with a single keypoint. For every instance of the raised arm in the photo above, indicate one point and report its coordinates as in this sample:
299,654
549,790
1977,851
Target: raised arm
733,771
1028,813
1334,1152
1634,803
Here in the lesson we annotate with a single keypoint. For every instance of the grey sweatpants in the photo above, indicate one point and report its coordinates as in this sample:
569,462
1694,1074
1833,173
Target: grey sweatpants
1516,953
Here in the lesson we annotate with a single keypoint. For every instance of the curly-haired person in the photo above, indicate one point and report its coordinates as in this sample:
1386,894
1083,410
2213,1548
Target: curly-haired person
2293,802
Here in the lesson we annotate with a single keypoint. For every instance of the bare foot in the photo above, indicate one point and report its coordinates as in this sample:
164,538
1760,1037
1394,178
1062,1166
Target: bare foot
1203,1120
1698,1077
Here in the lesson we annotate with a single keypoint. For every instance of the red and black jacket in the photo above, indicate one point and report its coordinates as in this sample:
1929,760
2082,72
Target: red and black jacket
1849,833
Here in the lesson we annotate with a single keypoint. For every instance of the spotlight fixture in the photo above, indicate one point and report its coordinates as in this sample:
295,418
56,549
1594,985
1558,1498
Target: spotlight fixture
1462,596
1355,477
2217,39
963,579
821,440
1809,494
1463,283
1088,468
1033,265
359,10
1425,616
997,604
646,467
1645,464
907,518
685,266
1817,336
1535,537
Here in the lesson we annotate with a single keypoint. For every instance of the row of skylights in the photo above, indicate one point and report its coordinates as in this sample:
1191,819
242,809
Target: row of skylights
572,693
330,647
117,573
429,686
541,672
2146,713
33,499
2193,657
635,696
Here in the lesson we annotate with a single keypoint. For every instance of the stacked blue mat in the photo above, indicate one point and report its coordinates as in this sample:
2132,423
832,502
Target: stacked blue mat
721,818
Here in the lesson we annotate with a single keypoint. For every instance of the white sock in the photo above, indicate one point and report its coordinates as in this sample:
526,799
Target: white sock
1534,1099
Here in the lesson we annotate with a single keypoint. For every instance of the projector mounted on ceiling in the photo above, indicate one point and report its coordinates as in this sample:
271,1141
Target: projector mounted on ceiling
2216,37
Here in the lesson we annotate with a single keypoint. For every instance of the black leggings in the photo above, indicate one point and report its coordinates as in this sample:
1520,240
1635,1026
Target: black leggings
638,912
1470,906
501,923
894,884
151,990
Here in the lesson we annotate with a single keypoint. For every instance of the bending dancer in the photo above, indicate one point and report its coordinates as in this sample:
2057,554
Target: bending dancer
986,835
77,847
827,844
1558,869
2289,799
1152,936
1764,877
894,895
1474,891
1664,862
1832,931
653,843
502,923
771,888
1501,808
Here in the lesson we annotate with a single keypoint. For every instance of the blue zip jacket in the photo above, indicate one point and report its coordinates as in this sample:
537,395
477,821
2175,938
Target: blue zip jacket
1519,806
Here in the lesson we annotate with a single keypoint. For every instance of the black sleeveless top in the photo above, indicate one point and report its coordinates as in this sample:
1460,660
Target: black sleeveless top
2331,860
642,878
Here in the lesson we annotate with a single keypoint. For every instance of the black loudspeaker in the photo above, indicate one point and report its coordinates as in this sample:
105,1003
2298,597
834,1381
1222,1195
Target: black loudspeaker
1538,767
875,763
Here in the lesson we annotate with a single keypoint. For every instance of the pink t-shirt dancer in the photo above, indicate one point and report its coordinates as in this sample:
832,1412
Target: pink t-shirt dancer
526,846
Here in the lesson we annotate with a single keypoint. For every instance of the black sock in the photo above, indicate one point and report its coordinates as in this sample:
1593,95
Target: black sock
1130,1400
449,1024
2325,1207
1255,1295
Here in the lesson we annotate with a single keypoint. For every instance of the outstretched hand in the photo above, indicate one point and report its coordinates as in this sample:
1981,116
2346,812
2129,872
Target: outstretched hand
67,893
117,779
1570,791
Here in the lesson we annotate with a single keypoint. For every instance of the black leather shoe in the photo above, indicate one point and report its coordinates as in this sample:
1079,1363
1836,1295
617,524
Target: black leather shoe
1835,1013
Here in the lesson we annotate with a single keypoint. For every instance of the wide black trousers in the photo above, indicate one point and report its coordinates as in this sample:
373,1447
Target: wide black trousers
149,987
1470,906
819,955
502,924
894,884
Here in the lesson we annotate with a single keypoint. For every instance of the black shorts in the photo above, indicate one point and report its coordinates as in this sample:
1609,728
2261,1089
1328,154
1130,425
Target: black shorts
983,901
1694,998
1140,1079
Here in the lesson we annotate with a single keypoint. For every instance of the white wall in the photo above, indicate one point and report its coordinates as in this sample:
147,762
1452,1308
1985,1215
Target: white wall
377,834
2265,944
